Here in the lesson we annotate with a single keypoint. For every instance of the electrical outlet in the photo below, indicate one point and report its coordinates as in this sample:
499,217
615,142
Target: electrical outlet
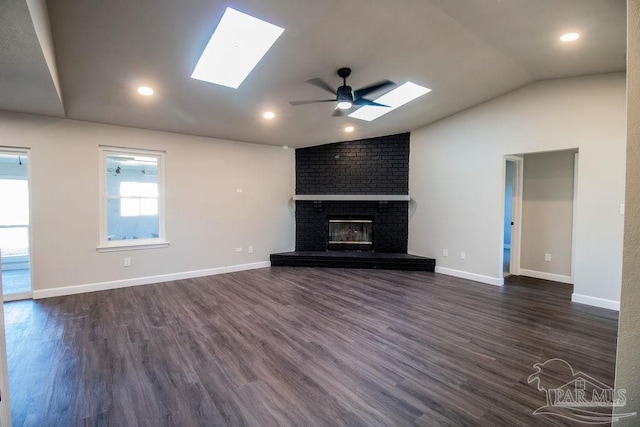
250,249
547,257
238,249
445,252
463,255
239,190
127,261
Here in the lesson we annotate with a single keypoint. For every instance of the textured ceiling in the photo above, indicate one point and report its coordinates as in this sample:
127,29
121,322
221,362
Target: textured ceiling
466,51
26,81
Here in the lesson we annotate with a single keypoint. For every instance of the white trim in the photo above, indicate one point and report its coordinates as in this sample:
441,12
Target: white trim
25,151
17,296
596,302
14,150
516,214
354,197
495,281
546,276
5,406
125,283
576,159
132,247
102,179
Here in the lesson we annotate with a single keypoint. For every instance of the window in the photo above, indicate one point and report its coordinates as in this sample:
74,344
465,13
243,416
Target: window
14,217
132,205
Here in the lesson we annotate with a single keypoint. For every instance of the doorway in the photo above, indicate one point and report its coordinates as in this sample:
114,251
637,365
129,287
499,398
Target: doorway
512,215
14,225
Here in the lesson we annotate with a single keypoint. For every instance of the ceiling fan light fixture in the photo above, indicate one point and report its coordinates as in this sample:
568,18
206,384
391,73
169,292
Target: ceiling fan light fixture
344,97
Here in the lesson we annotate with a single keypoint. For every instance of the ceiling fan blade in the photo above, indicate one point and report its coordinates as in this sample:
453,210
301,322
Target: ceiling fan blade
317,82
296,103
362,101
338,113
372,88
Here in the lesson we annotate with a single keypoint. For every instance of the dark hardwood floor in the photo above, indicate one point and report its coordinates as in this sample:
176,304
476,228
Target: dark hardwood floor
300,346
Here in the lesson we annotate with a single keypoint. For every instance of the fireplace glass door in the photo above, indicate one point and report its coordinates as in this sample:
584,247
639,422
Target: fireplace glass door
350,234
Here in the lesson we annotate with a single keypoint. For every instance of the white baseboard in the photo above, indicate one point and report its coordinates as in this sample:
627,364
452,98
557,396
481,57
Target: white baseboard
103,286
546,276
17,296
597,302
496,281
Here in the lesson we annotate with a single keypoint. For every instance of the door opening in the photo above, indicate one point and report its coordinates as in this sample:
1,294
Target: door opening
508,218
14,225
512,215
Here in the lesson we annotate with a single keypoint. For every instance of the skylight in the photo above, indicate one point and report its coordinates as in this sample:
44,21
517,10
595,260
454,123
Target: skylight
394,99
235,48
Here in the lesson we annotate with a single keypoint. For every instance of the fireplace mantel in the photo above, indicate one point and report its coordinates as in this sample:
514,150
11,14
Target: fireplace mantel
354,197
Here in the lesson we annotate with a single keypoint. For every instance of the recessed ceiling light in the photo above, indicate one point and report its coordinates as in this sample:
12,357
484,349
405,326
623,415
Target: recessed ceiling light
394,99
349,129
569,37
145,91
235,48
269,115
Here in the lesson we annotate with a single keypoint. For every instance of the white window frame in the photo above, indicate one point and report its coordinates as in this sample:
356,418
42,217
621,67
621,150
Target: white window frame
107,245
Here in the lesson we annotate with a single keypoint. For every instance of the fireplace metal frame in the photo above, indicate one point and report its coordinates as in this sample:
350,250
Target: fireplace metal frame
349,245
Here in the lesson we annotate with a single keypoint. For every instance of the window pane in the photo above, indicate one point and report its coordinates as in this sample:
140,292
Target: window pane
14,241
138,189
130,207
121,227
16,212
148,206
127,189
131,175
132,196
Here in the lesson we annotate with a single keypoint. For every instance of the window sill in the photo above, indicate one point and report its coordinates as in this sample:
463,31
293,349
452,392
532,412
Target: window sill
132,247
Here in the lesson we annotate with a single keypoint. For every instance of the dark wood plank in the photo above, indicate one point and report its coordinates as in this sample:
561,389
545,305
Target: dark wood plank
294,346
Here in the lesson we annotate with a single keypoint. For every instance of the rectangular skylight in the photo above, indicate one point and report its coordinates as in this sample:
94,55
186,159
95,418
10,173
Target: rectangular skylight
394,99
235,48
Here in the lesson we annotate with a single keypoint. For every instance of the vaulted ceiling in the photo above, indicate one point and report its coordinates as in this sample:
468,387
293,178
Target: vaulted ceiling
84,60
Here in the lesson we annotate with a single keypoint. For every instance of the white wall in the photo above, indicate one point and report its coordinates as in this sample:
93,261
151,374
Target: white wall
457,177
547,212
206,218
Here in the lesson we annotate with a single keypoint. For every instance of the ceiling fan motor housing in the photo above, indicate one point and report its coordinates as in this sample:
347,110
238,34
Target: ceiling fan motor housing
345,93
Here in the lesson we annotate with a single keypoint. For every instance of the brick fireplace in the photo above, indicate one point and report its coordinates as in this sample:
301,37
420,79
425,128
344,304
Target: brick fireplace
389,223
354,180
361,187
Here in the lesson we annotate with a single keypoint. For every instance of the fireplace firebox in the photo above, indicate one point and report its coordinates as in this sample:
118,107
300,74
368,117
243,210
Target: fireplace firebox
348,234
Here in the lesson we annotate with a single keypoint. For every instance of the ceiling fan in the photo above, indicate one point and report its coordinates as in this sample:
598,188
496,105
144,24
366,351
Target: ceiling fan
345,97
